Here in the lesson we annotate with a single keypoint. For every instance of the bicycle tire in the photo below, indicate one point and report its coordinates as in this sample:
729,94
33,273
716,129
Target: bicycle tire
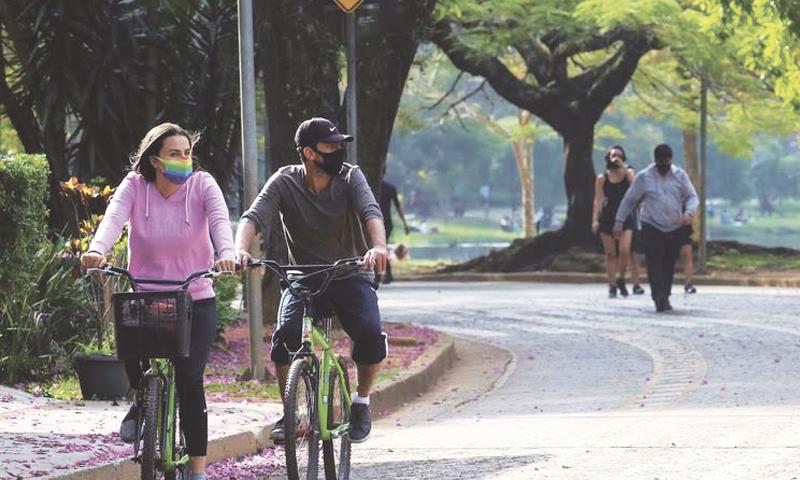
178,448
336,452
150,429
300,425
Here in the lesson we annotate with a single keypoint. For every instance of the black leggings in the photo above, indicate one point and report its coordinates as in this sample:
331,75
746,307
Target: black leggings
189,377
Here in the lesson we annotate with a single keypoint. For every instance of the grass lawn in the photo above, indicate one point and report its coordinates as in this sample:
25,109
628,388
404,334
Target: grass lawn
450,230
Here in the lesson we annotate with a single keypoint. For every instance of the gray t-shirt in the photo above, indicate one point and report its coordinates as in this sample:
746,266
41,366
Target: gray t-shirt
322,227
662,198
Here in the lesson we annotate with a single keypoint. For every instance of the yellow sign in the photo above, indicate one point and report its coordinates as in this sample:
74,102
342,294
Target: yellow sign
349,6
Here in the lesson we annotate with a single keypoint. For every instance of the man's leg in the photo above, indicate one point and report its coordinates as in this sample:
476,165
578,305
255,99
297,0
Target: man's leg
672,245
654,248
356,305
366,377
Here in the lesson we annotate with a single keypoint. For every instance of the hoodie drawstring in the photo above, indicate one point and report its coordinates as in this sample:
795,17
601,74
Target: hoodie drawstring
147,201
186,202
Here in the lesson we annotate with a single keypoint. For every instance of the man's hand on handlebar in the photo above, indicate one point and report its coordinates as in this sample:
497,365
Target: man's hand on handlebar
92,260
243,258
375,259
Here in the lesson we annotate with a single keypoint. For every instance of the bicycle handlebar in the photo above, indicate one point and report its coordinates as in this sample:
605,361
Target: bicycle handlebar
313,270
181,284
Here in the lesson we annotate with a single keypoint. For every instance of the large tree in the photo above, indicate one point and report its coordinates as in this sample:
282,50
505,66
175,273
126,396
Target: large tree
575,68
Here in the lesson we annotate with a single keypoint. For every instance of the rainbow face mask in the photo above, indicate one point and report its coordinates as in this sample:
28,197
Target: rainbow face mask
177,171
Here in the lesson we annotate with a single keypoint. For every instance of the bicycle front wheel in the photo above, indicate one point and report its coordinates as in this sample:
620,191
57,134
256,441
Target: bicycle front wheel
300,423
336,451
150,429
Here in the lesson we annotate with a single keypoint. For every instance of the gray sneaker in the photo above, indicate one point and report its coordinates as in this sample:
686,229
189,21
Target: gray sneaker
127,430
360,423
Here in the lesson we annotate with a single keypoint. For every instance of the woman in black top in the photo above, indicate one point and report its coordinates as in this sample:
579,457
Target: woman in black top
609,189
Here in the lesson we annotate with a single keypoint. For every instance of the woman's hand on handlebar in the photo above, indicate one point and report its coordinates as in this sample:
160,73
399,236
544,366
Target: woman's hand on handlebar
225,265
92,260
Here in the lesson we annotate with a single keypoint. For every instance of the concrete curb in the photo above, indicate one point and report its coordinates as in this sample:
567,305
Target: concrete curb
744,279
387,396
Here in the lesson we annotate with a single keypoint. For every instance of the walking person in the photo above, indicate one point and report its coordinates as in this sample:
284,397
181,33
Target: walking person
177,217
323,204
662,190
389,196
609,189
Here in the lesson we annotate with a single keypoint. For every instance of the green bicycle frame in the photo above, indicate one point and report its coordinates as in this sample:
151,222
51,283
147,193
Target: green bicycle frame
164,370
316,337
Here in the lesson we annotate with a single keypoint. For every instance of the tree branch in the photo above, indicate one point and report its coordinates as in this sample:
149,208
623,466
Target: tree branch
448,92
542,101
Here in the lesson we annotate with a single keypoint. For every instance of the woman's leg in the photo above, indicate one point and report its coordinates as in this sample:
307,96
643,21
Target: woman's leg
624,252
189,383
610,250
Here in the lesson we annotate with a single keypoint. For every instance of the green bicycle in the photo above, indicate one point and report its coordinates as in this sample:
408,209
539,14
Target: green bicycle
316,403
156,326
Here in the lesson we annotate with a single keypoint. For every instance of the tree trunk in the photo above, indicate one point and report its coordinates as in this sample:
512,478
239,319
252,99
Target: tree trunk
384,60
691,165
522,151
579,177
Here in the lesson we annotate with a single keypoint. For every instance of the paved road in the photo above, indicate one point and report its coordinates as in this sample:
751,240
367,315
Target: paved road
602,388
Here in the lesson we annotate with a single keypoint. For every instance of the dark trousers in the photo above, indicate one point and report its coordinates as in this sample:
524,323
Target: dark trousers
660,250
189,377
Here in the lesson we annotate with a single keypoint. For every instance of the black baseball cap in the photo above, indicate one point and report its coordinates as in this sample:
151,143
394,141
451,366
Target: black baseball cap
316,130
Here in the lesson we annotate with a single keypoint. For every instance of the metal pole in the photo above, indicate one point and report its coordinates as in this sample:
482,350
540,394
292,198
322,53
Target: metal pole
701,254
247,92
352,112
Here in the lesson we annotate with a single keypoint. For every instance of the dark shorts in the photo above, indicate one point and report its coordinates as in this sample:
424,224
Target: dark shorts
685,233
354,302
607,223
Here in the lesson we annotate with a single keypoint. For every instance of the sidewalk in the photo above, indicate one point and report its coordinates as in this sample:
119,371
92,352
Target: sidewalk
52,439
744,279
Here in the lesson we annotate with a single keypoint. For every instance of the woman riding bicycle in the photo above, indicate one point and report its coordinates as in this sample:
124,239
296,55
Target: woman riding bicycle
175,212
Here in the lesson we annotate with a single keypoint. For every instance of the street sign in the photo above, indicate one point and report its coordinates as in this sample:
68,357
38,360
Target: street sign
349,6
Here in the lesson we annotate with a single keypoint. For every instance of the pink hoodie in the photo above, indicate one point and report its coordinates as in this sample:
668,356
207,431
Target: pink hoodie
169,238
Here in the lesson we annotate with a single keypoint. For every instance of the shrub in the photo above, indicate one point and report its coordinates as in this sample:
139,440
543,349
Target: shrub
43,321
225,290
23,217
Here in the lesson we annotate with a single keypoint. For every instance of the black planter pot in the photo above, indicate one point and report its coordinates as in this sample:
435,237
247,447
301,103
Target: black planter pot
102,377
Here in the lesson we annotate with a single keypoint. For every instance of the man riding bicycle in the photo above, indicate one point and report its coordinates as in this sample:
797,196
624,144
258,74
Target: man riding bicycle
325,205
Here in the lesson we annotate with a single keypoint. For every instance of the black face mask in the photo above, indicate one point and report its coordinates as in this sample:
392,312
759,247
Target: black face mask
612,165
331,162
664,168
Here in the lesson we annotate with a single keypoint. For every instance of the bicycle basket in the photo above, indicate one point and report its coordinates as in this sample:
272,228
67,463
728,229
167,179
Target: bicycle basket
152,324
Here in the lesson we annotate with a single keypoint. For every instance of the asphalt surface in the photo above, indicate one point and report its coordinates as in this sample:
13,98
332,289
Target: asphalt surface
602,388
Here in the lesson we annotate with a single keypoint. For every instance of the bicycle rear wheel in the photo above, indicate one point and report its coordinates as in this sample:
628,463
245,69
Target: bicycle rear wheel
336,451
150,429
300,423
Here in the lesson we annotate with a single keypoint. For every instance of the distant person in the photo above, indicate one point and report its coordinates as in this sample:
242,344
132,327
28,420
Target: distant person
388,197
609,188
662,190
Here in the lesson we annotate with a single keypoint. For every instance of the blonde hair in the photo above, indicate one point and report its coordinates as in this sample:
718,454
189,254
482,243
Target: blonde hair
151,144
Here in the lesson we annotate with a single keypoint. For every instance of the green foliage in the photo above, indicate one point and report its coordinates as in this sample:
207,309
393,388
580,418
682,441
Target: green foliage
23,192
43,320
225,287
